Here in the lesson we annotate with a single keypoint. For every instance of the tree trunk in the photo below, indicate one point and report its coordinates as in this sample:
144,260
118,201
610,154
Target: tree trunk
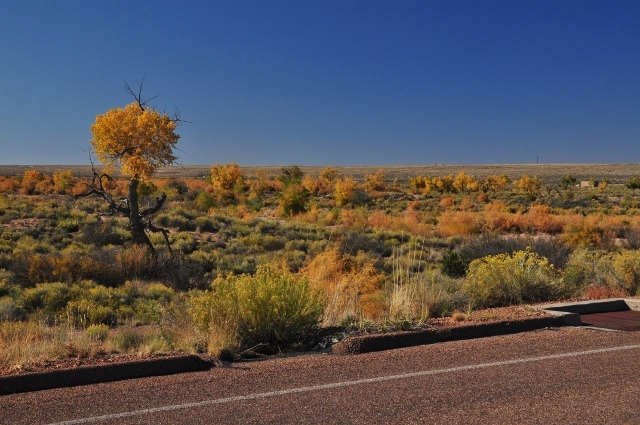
135,221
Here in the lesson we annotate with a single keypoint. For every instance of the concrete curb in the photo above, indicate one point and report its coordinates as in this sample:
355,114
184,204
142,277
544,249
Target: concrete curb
379,342
87,375
563,314
570,312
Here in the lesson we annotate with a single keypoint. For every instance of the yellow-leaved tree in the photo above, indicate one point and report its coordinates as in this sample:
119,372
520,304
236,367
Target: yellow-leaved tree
140,139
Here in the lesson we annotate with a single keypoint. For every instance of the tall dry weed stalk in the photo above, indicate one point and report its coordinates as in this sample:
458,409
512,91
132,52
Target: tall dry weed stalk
416,293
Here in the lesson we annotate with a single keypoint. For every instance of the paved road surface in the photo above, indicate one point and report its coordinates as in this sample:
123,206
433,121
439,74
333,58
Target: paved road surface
562,376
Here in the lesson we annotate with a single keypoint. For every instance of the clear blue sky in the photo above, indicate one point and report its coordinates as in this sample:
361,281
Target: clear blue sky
326,82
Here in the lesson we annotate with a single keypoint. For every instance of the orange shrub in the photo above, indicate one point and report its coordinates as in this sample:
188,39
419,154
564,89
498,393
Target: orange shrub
412,223
380,220
45,186
313,185
29,181
540,219
580,234
261,183
453,223
196,185
80,188
351,290
354,219
447,202
8,184
466,204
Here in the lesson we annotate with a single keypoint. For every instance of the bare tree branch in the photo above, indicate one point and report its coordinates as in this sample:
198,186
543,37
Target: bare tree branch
138,96
156,229
152,210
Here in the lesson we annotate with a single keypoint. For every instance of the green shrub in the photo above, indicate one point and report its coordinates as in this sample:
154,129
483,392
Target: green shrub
633,183
206,224
453,264
502,280
273,307
626,266
160,292
205,201
127,340
9,310
98,332
83,313
101,314
584,268
293,199
421,295
51,298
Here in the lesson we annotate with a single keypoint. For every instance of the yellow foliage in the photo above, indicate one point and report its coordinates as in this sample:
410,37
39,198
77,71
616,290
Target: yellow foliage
493,182
62,180
352,290
313,185
33,175
227,177
139,140
375,182
443,183
529,185
465,183
330,175
344,191
29,181
511,279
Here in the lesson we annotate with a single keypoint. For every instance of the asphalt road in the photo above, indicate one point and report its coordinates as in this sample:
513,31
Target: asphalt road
561,376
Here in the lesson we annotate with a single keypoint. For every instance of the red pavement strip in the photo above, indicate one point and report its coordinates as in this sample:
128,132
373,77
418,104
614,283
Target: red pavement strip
618,320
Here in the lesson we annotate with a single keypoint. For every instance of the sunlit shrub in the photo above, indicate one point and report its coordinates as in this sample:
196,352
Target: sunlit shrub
46,299
626,266
374,182
97,332
529,185
381,220
272,307
29,181
8,184
355,220
293,200
62,180
465,183
227,180
587,268
582,234
492,243
458,223
420,295
351,290
344,191
523,277
633,183
160,292
447,202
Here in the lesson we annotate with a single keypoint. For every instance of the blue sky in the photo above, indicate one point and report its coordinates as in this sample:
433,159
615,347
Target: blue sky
330,82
